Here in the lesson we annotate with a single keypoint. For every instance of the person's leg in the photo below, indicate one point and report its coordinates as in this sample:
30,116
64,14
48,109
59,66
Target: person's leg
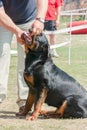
52,42
22,87
49,25
52,39
5,42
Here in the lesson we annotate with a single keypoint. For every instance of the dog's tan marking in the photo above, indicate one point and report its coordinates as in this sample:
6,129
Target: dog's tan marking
29,103
27,47
62,108
38,105
30,79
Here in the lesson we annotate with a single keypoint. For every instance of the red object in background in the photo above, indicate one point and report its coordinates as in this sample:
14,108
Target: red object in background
78,23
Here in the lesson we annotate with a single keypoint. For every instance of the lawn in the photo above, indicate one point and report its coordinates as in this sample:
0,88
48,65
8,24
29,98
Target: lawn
77,68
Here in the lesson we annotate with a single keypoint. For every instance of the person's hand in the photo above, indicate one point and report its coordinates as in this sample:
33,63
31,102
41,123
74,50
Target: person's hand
37,27
18,35
57,23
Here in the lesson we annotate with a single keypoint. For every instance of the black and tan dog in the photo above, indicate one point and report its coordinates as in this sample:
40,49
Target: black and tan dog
48,83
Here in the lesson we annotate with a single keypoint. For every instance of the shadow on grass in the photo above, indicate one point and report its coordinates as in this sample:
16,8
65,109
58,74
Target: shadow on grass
12,115
9,115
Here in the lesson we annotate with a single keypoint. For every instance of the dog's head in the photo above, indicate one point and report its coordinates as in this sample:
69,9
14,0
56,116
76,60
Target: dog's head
37,44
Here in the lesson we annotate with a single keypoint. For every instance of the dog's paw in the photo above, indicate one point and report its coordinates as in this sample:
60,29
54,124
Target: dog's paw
43,112
31,118
20,114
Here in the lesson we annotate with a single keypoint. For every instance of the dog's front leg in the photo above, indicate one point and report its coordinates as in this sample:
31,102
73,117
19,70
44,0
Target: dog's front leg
30,101
41,96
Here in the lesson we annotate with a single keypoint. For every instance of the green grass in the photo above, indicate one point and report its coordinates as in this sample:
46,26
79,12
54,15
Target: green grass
78,58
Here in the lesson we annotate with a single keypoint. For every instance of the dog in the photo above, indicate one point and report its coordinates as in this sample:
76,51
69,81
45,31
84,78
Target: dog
49,84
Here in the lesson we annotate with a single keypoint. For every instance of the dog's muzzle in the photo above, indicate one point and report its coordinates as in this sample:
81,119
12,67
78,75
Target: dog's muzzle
27,38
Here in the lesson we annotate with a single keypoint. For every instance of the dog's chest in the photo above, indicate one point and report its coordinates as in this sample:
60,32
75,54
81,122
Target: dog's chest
29,79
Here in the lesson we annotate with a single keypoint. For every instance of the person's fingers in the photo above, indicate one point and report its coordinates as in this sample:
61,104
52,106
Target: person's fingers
36,31
37,27
20,41
33,31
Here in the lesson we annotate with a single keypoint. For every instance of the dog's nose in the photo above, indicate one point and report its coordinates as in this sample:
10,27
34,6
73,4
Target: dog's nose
25,72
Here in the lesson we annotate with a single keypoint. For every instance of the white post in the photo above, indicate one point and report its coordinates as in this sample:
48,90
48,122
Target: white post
70,38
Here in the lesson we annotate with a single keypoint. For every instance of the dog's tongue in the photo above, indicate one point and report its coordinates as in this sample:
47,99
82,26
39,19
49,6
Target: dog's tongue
27,38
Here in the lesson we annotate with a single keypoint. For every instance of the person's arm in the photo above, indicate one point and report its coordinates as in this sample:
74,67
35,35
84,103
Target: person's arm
58,13
42,6
7,23
37,26
60,3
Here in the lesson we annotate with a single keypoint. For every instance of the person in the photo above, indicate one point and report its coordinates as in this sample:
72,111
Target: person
52,20
16,17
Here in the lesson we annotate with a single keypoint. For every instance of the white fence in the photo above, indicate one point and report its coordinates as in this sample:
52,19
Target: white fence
70,13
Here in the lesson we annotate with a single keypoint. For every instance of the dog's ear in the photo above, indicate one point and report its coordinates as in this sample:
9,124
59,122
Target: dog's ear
46,51
45,45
